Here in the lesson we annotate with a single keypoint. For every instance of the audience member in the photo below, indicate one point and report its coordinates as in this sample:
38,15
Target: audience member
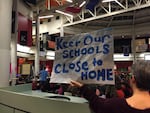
139,102
43,79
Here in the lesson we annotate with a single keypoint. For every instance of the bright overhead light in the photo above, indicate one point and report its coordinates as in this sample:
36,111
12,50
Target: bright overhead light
82,3
48,16
61,12
24,49
108,1
147,57
50,58
69,1
50,53
33,22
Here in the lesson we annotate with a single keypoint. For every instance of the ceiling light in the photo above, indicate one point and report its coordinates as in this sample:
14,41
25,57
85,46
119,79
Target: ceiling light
22,48
69,1
82,3
108,1
50,58
48,16
61,12
50,53
147,57
33,22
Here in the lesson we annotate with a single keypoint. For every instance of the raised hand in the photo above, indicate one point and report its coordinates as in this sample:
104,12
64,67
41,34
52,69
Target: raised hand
75,83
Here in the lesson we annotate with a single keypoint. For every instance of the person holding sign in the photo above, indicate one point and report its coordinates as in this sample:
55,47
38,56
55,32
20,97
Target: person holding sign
139,102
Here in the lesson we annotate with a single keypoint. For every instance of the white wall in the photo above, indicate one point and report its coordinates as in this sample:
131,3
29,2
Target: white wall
51,27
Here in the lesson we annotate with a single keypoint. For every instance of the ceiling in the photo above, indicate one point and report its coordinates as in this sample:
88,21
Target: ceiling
114,14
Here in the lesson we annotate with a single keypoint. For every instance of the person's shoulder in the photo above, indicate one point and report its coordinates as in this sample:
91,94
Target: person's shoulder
117,101
148,110
116,105
41,71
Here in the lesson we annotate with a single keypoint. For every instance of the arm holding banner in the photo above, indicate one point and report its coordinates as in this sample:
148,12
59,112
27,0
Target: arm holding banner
138,102
75,83
96,103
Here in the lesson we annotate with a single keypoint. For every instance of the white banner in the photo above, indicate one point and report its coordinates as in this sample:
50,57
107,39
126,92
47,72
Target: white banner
87,58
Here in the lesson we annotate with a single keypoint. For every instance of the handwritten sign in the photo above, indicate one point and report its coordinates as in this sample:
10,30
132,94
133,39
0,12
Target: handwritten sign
86,57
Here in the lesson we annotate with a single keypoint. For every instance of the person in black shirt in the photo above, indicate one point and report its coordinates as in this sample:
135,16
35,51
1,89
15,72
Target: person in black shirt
139,102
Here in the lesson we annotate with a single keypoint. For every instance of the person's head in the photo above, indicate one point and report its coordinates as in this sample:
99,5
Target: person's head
141,74
44,68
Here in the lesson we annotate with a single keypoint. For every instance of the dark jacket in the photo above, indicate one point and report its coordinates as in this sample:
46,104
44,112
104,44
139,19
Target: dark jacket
112,105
